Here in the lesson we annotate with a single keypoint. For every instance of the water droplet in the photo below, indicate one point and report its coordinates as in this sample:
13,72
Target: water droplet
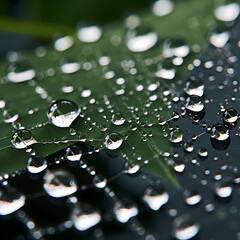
141,39
155,197
184,227
194,104
176,136
228,12
63,112
219,132
63,43
188,146
223,190
22,139
10,201
113,141
230,116
89,33
36,164
124,213
175,47
85,219
162,7
131,168
117,119
20,72
194,86
59,183
10,116
73,153
99,181
191,197
202,152
219,38
69,66
166,70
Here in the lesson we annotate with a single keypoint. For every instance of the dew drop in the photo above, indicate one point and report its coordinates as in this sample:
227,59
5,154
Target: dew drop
194,104
68,66
194,86
63,43
59,183
188,146
228,12
10,116
36,164
73,153
22,138
223,190
184,227
20,72
155,197
219,132
166,70
141,39
230,116
117,119
113,141
219,38
99,181
85,219
10,201
191,197
63,112
202,152
162,7
89,34
176,136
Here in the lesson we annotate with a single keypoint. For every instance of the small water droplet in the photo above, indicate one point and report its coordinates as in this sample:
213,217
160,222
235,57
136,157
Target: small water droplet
63,43
194,86
219,132
117,119
10,116
22,138
176,136
219,37
191,197
20,72
69,66
162,7
63,112
141,39
10,201
166,70
184,227
59,183
89,33
155,197
73,153
113,141
99,181
223,190
36,164
194,104
230,116
188,146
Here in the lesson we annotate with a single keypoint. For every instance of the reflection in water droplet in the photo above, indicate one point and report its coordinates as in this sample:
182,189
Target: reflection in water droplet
162,7
175,47
89,34
219,132
85,219
63,43
73,153
223,190
22,139
59,183
194,104
113,141
194,86
176,136
123,213
228,12
117,119
191,197
63,112
184,227
155,197
99,181
20,72
10,116
36,164
141,39
10,201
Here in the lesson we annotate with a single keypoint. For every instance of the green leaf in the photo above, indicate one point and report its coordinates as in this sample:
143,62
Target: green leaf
145,142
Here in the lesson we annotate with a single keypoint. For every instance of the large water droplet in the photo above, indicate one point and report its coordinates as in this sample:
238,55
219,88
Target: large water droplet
230,116
117,119
22,139
36,164
63,112
89,33
162,7
124,213
191,197
223,190
175,47
63,43
219,38
10,116
10,201
194,86
113,141
184,227
194,104
176,136
140,39
166,70
59,183
219,132
85,219
20,72
228,12
155,197
73,153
